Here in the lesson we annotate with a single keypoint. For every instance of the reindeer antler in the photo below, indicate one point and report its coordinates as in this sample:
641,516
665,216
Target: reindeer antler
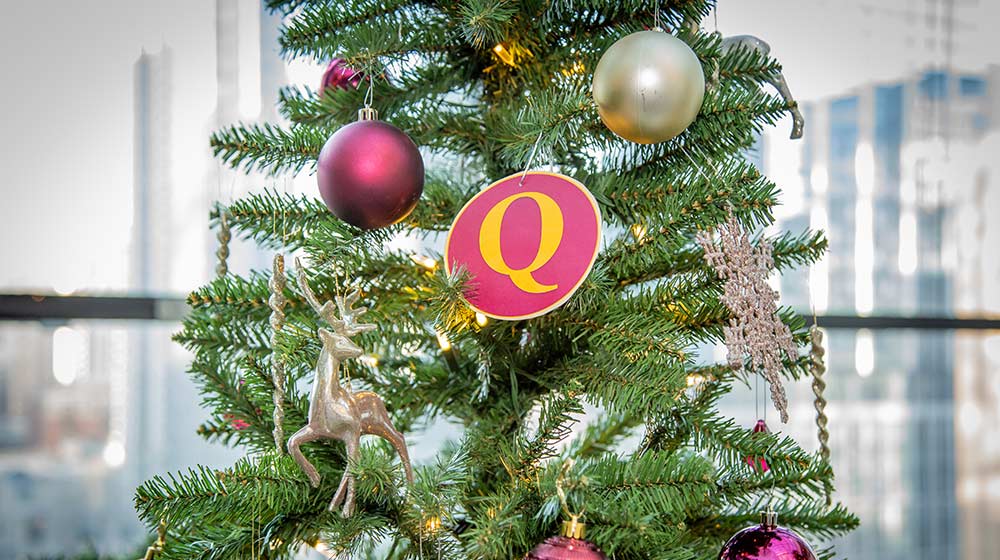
350,325
325,309
346,325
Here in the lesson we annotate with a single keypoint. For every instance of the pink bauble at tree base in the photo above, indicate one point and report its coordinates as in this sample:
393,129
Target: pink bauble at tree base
569,545
370,173
566,548
766,541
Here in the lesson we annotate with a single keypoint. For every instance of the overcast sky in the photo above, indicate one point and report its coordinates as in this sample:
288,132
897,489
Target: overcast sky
67,113
66,103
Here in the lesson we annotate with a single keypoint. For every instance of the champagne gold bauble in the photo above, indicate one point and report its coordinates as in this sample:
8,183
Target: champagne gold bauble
648,87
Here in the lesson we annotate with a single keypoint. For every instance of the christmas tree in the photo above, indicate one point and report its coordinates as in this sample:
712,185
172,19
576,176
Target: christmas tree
486,89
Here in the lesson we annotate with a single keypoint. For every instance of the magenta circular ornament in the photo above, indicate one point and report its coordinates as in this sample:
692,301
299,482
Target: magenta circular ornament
370,173
759,464
569,545
766,541
339,75
565,548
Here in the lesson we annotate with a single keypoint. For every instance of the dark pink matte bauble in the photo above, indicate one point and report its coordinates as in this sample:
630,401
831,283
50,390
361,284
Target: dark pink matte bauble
763,542
339,75
370,174
566,548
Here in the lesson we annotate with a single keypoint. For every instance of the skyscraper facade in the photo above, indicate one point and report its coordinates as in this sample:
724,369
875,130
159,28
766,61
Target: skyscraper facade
895,174
89,409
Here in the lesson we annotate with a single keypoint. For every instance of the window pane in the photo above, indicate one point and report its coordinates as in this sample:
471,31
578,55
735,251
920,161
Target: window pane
88,410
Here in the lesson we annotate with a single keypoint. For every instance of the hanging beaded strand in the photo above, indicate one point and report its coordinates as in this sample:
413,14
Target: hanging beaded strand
277,303
224,236
817,368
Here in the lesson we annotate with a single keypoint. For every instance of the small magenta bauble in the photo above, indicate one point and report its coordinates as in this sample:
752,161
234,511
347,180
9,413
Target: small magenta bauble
370,173
648,87
340,76
567,546
766,541
759,464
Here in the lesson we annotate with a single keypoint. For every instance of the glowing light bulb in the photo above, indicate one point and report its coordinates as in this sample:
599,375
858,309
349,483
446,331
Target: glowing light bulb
424,261
432,524
443,341
481,319
504,54
577,68
638,231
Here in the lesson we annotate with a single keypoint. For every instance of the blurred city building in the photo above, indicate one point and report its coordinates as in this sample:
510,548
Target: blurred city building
88,410
899,176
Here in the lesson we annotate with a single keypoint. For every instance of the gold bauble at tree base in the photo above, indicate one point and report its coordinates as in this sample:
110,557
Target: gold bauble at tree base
648,87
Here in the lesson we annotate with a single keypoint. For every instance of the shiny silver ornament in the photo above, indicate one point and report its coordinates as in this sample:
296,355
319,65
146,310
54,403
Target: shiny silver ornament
648,87
749,43
776,79
335,412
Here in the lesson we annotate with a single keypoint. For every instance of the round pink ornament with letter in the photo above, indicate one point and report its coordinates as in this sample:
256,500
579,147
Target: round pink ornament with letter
527,246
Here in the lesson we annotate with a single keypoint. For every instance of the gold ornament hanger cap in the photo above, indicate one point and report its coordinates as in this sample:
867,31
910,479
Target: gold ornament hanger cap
574,528
367,114
768,519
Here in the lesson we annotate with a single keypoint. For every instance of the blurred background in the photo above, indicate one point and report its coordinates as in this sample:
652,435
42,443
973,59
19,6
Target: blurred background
899,164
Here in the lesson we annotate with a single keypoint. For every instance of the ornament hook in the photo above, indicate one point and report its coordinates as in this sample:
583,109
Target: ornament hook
368,113
768,519
370,94
531,158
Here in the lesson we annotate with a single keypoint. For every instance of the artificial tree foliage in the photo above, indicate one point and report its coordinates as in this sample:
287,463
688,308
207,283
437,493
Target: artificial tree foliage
514,392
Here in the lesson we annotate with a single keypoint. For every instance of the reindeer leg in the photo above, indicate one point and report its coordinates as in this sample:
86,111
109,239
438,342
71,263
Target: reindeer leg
378,423
338,498
798,121
353,445
305,435
399,443
346,481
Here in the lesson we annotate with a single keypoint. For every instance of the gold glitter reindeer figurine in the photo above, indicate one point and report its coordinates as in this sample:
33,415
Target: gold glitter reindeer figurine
334,411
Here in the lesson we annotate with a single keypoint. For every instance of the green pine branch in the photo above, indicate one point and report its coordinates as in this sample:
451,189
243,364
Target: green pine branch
602,435
368,34
627,340
268,148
